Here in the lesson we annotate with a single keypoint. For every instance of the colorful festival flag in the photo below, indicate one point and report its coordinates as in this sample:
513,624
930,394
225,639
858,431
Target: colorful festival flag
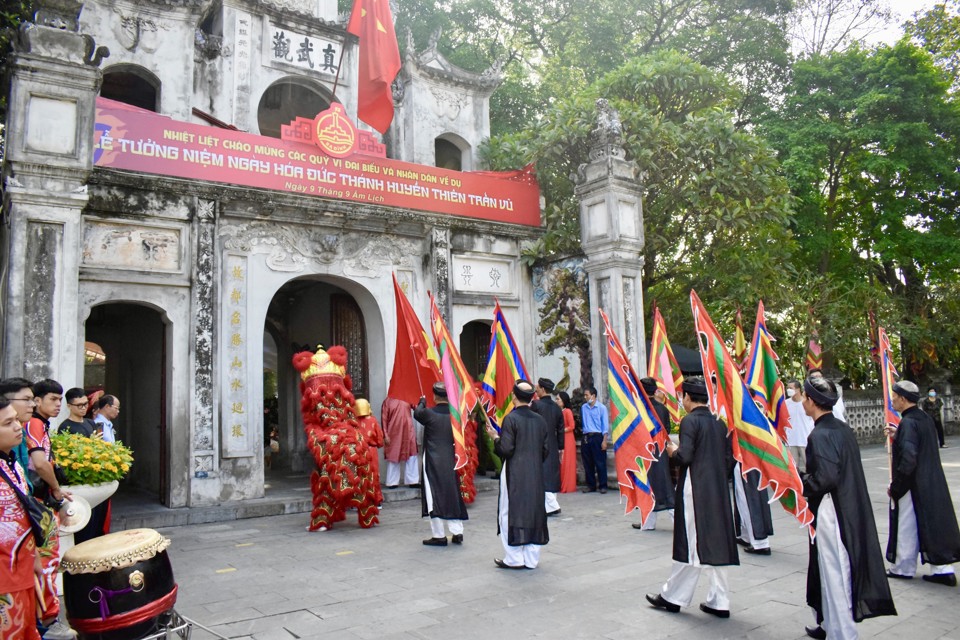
663,366
634,425
764,378
755,443
461,393
379,61
504,368
814,352
415,365
888,376
740,344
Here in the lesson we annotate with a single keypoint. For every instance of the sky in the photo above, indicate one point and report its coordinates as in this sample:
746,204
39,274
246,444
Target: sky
904,10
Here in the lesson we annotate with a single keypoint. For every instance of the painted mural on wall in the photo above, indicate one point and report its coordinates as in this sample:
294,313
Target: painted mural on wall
563,331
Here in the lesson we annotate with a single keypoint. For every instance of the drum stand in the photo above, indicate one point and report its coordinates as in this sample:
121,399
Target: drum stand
176,626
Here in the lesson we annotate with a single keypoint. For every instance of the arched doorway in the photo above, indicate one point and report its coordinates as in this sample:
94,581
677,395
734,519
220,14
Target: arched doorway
132,356
475,347
304,313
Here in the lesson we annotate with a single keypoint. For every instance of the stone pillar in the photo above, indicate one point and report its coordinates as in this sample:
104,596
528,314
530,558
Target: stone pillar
204,317
611,233
54,82
441,272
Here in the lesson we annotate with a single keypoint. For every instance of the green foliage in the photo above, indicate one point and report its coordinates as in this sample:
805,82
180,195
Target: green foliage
870,141
938,32
715,208
12,13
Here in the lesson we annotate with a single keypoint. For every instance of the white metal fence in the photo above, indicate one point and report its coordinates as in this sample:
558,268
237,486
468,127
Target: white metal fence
864,411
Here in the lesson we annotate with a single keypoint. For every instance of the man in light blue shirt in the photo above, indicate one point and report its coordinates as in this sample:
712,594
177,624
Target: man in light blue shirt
109,410
596,425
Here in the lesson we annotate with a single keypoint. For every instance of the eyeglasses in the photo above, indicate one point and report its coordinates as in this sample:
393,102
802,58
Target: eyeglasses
28,400
80,405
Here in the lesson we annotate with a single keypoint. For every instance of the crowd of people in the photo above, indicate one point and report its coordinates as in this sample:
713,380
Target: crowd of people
714,506
32,494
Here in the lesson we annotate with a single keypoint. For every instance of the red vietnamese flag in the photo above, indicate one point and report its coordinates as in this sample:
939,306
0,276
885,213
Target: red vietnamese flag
415,365
372,23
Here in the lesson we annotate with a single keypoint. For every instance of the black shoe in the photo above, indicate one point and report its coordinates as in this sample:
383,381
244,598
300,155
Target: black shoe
556,512
816,632
946,579
503,565
391,486
757,552
415,485
638,525
436,542
588,490
658,602
899,576
603,489
720,613
457,538
742,542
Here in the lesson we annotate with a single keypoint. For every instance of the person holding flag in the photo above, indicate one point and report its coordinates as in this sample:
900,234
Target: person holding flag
922,520
521,516
846,579
440,498
705,539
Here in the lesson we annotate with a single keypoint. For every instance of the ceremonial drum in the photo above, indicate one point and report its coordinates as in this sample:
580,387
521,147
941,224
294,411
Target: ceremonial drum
118,585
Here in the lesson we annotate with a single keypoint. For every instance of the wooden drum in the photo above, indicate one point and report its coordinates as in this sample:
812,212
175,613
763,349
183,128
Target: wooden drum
118,585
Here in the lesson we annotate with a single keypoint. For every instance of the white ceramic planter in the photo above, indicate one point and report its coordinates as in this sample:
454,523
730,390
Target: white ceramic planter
93,493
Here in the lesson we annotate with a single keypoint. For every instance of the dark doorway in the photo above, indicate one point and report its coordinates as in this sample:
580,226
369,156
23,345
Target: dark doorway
133,342
305,313
475,347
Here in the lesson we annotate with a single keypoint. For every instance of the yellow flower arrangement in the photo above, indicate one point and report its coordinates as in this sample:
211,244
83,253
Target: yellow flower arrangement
90,460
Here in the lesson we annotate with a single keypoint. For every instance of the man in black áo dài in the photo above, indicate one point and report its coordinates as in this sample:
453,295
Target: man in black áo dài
659,473
922,521
440,496
846,580
521,516
703,530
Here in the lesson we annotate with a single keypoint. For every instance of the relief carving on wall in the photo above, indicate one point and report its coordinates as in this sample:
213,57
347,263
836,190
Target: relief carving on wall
134,32
131,247
447,104
294,249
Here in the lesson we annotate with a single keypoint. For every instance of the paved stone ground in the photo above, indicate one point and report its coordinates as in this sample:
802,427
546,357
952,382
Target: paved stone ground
267,578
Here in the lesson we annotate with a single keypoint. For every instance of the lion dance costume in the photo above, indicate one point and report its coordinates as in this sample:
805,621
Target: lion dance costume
343,478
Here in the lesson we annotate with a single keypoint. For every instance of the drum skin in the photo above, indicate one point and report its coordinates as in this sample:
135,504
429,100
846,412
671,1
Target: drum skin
132,596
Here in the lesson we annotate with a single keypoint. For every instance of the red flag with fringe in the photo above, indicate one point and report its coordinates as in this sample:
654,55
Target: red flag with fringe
755,442
379,61
663,366
415,364
461,393
764,378
634,426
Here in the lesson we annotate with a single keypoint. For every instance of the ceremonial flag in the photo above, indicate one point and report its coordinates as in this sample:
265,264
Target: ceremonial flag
888,376
755,443
663,366
460,391
415,364
814,353
504,368
874,341
634,425
740,344
379,61
764,378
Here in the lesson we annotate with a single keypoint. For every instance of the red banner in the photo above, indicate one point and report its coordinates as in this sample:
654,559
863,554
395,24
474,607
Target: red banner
135,140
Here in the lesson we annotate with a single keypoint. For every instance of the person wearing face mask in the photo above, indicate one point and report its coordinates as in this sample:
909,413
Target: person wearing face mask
932,405
922,521
800,425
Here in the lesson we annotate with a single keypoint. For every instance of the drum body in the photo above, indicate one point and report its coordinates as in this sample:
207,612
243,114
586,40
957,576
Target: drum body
117,586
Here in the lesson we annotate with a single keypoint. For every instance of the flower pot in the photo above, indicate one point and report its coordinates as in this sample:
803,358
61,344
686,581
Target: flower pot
93,493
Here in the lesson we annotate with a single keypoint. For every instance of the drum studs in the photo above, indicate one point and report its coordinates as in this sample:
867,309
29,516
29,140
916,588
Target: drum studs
136,581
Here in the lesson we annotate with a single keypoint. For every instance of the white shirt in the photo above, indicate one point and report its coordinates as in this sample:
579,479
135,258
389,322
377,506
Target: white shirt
840,411
800,424
107,426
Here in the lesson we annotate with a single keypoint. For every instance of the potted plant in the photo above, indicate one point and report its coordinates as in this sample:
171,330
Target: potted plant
91,466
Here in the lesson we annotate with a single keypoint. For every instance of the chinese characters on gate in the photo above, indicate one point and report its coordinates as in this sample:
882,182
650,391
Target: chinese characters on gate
303,51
